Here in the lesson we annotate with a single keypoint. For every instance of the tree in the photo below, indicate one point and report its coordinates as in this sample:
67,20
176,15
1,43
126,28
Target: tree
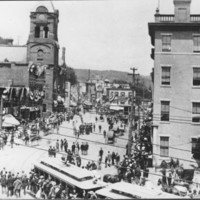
70,76
118,81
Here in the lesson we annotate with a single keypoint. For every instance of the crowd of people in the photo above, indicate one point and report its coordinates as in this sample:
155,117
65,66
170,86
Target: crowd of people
12,184
132,169
42,187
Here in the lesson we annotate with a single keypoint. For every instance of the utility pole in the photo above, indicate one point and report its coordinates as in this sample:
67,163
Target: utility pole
78,91
132,115
1,112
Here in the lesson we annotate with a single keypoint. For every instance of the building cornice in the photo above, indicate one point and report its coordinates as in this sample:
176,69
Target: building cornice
171,26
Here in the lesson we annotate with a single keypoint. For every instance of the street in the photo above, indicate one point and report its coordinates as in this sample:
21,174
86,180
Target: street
21,158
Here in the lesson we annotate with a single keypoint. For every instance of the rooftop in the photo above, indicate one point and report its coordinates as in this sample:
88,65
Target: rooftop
47,4
13,53
169,18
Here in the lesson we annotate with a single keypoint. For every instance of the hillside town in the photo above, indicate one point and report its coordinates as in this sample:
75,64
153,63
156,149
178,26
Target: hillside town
102,138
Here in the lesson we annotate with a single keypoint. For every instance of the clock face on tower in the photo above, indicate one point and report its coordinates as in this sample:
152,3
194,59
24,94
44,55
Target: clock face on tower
42,17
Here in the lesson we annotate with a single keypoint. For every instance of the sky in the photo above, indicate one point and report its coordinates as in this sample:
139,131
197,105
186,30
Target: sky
97,34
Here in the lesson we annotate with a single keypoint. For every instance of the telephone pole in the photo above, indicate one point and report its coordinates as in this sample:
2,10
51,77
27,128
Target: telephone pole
132,115
1,113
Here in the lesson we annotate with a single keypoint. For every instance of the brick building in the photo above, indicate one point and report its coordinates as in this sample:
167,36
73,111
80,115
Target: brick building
176,92
30,75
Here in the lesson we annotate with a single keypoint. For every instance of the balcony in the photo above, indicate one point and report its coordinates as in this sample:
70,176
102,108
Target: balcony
164,18
195,18
171,18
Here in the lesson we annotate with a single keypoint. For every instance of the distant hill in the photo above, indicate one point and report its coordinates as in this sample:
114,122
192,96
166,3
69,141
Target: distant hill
111,75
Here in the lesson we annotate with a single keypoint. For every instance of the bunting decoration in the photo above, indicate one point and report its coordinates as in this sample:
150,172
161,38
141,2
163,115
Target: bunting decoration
13,93
36,95
36,69
112,97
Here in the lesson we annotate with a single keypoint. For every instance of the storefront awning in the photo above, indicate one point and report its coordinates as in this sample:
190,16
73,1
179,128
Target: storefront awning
196,137
9,121
117,108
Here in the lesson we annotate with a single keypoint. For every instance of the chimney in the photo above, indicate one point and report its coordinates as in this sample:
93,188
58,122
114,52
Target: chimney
63,54
182,10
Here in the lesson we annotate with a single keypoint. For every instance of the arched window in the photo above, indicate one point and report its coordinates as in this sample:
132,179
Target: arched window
37,31
45,32
40,55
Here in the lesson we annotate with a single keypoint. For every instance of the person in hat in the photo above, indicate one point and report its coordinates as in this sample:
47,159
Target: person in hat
24,183
61,144
109,158
54,152
57,145
117,158
12,141
101,153
3,183
86,148
17,187
50,151
137,174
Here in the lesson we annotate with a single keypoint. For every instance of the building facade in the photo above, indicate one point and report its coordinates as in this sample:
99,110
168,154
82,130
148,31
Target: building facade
120,98
176,93
30,75
42,52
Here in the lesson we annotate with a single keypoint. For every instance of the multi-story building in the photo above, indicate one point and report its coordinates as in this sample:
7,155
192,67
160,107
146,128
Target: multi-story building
176,98
119,99
42,50
32,72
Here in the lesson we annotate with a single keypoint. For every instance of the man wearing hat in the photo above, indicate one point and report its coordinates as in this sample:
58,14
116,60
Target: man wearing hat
17,187
24,183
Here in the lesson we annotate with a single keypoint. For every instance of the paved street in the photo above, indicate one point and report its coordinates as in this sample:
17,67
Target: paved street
22,157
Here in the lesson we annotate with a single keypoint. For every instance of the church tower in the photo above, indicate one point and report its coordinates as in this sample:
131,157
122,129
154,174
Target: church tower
43,49
43,38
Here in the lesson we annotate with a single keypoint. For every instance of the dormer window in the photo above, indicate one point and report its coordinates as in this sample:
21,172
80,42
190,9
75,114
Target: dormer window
45,32
37,32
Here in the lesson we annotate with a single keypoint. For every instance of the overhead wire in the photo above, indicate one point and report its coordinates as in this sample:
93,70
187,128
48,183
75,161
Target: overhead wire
92,141
144,142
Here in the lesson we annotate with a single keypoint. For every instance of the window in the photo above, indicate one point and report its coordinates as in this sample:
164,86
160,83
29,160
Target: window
196,42
40,55
182,14
196,110
45,32
165,110
196,76
43,107
37,32
164,146
165,76
166,43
